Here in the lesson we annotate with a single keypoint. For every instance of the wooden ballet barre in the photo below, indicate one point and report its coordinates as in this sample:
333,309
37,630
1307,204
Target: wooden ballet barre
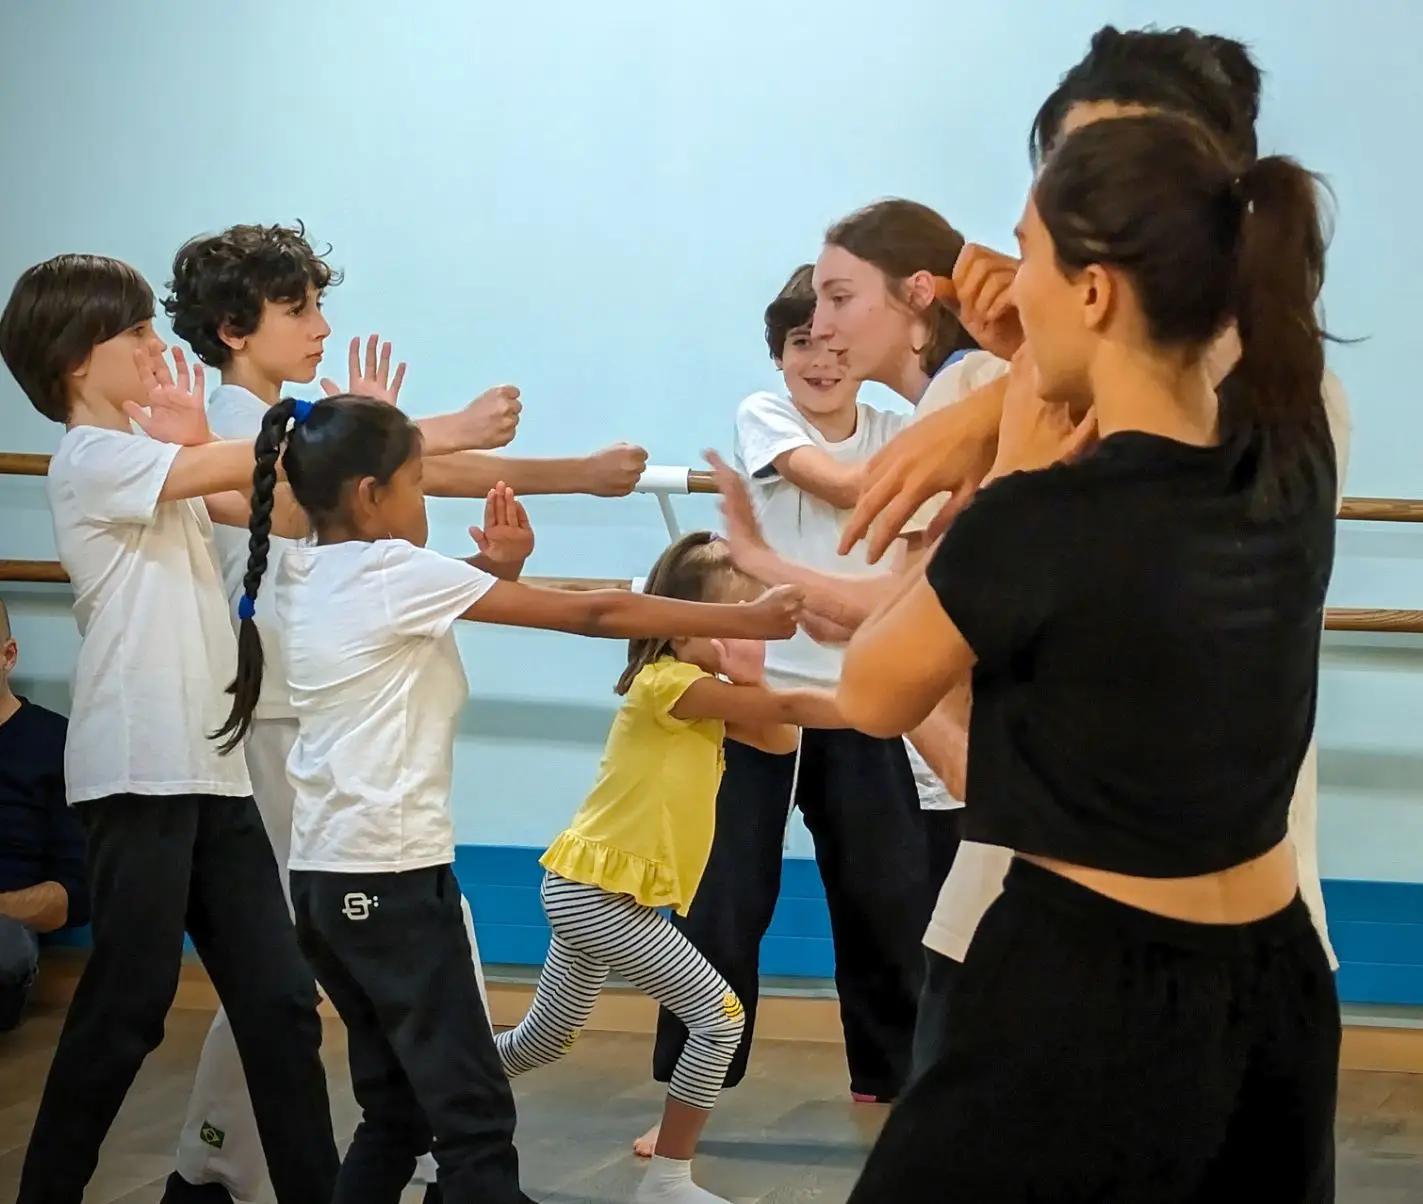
23,464
31,464
1361,509
1338,618
51,572
1382,510
1369,618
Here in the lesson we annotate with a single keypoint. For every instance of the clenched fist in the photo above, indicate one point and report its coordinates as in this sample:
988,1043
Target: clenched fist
492,418
614,471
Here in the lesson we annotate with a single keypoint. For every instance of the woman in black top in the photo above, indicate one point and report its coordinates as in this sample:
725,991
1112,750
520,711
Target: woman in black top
1146,1013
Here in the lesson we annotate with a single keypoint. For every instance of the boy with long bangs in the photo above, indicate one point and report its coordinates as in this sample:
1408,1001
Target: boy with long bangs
175,843
174,840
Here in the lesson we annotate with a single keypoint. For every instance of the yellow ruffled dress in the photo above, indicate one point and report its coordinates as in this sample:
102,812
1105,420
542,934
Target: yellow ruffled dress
646,828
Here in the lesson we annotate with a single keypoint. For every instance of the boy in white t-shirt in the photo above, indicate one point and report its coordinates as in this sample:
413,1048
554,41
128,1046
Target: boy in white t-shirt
248,302
175,843
174,840
803,455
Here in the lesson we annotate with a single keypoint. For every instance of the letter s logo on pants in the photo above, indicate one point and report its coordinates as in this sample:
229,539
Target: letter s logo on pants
358,906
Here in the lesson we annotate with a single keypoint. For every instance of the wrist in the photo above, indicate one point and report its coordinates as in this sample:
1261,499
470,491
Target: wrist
437,435
581,475
756,560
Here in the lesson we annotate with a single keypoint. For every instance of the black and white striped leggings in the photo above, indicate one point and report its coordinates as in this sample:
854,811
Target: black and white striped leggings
595,931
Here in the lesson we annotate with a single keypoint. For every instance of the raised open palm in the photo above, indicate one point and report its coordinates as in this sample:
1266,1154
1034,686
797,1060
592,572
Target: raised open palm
738,513
172,409
507,536
373,379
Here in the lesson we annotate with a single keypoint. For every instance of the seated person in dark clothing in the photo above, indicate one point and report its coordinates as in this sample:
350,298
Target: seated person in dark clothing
42,885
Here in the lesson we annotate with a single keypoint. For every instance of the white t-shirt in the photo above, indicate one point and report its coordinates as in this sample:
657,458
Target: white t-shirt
933,794
800,527
377,685
237,413
976,878
157,650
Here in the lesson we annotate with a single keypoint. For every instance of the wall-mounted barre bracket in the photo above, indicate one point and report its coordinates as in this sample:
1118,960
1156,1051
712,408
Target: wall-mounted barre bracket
664,479
661,481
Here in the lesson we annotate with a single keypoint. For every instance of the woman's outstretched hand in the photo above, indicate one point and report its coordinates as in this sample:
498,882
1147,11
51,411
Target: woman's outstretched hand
949,451
738,516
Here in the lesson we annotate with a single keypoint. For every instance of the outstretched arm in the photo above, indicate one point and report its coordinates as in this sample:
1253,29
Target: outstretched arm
233,508
900,666
843,599
819,474
612,472
757,715
619,615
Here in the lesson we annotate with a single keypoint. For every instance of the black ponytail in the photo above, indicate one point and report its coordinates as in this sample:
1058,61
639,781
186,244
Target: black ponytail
247,684
1279,378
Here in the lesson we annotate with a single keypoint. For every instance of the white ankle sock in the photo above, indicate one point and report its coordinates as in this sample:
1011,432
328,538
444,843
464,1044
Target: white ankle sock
669,1181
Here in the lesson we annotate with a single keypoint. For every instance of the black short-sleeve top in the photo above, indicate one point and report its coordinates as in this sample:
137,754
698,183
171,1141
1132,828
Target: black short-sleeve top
1147,652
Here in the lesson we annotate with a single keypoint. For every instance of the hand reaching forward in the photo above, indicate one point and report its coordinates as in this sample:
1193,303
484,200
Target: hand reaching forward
741,661
374,381
738,515
825,631
507,537
491,419
172,410
615,471
949,451
775,613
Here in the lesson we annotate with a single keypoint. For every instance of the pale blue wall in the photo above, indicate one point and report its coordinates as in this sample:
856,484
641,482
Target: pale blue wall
596,200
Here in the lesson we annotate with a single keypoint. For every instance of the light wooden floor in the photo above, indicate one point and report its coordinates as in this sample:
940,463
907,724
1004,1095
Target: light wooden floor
789,1135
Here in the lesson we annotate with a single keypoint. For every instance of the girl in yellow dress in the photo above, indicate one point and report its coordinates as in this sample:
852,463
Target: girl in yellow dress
640,843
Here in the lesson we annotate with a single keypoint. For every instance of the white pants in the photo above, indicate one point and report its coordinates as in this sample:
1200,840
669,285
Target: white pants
976,878
219,1141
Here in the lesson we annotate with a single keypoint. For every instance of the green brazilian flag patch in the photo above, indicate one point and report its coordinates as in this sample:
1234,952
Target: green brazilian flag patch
212,1135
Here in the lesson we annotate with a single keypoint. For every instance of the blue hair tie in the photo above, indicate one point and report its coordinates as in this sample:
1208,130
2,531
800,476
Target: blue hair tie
301,410
246,607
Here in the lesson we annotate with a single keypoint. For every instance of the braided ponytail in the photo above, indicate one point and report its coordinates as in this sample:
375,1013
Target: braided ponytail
247,684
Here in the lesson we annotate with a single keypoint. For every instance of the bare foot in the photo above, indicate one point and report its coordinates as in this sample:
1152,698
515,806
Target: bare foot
646,1145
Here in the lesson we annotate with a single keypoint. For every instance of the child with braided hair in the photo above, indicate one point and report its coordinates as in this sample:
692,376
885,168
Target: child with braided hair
174,840
365,615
